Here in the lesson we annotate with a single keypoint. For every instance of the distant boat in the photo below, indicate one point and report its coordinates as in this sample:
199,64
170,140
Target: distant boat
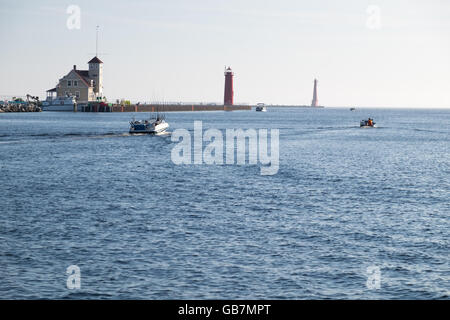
151,126
352,109
261,107
369,123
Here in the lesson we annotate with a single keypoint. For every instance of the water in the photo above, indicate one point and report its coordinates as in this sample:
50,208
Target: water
76,189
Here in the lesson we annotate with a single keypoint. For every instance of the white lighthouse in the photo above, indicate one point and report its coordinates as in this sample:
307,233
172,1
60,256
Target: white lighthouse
315,101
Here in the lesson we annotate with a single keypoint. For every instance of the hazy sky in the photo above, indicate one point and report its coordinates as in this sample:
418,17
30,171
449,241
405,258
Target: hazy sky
176,50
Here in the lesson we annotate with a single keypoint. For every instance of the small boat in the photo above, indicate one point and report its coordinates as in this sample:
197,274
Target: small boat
154,125
261,107
352,109
369,123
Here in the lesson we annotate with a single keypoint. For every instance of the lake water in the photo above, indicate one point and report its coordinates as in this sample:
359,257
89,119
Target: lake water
76,189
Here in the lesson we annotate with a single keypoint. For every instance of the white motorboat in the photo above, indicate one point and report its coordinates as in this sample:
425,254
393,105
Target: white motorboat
261,107
59,104
151,126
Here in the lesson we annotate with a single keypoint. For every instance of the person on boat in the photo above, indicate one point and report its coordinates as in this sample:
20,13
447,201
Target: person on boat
370,122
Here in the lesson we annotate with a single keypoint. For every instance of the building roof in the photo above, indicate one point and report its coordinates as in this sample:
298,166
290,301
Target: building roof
95,60
51,90
84,76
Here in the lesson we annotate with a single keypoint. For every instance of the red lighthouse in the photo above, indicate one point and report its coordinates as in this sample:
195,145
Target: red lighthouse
228,97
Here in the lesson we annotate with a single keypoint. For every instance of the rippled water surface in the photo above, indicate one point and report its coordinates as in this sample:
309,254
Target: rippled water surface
76,189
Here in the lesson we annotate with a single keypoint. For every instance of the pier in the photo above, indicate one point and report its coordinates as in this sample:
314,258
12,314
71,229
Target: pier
103,107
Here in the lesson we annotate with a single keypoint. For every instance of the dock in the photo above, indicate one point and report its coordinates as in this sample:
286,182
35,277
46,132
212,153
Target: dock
103,107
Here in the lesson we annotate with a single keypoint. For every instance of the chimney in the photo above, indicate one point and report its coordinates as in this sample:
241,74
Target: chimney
74,67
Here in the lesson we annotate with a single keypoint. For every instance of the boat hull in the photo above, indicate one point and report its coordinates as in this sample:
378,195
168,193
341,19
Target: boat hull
64,107
151,129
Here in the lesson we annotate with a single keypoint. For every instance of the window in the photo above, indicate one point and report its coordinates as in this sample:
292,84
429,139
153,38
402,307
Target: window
75,83
69,83
77,94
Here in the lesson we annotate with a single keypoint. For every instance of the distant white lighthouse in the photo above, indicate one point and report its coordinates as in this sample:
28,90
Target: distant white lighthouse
315,101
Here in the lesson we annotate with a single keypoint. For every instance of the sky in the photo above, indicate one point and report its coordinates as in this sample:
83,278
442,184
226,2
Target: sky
378,53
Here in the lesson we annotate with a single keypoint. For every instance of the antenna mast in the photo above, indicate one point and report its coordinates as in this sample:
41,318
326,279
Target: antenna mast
96,41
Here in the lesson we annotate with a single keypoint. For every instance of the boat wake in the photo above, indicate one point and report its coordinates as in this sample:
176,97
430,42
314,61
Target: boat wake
56,136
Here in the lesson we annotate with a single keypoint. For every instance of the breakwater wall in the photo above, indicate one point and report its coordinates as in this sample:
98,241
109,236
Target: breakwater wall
19,107
102,107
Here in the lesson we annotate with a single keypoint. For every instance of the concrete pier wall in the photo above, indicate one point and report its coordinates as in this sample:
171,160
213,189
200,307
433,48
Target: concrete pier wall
161,108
